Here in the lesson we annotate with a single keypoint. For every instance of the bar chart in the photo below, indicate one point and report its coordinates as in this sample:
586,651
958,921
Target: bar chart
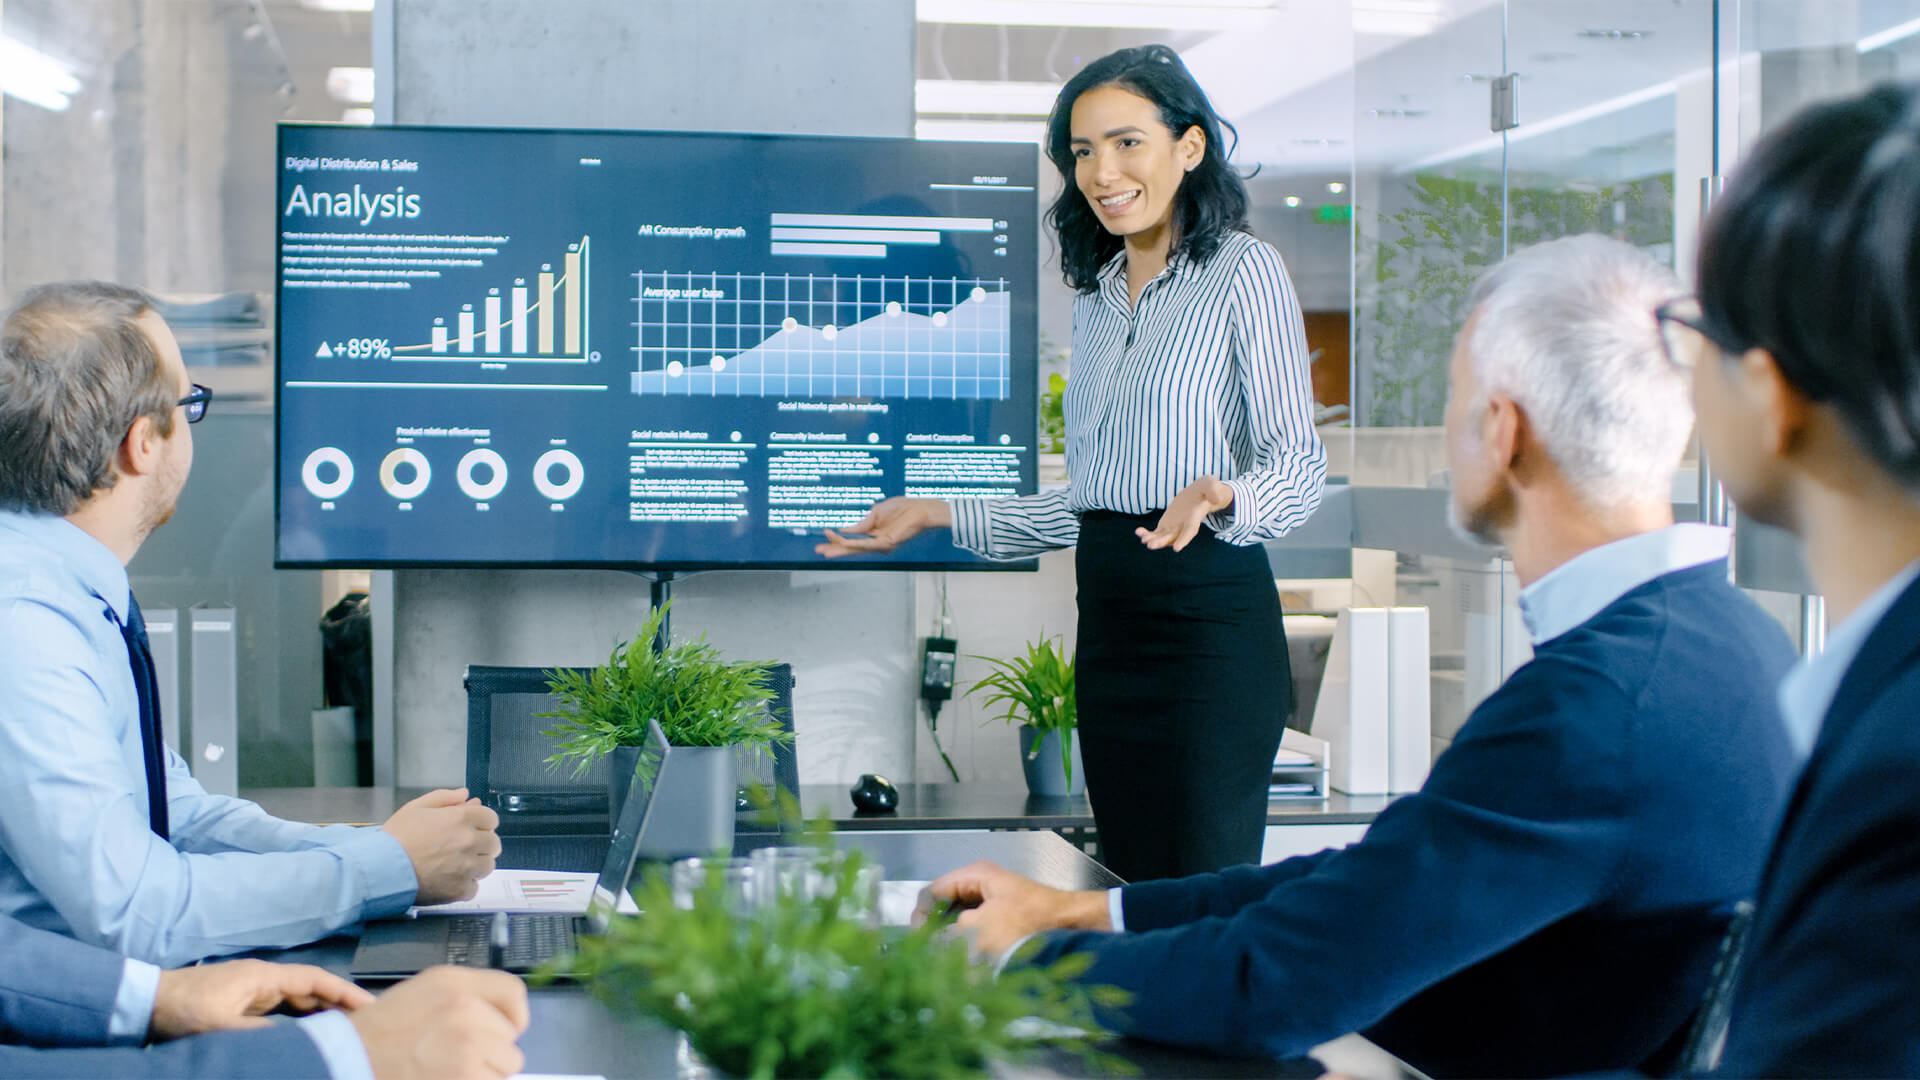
821,336
538,319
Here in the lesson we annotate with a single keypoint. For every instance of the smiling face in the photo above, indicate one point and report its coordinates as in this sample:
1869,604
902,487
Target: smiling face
1128,164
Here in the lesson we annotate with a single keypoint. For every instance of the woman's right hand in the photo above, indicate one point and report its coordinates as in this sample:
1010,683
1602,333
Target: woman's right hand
889,524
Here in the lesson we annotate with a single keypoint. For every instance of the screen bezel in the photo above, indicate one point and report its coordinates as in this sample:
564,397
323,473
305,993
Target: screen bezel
853,564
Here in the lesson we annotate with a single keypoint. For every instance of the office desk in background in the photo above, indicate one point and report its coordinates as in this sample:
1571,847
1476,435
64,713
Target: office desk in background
922,806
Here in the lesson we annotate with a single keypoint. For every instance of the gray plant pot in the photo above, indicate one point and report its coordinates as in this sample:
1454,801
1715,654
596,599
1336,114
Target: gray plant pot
1042,764
693,802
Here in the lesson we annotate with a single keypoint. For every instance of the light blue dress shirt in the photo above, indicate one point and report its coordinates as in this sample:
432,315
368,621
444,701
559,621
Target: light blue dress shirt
1581,588
77,855
1808,690
1584,585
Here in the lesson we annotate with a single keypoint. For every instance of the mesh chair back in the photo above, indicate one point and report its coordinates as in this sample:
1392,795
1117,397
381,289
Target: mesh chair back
507,750
780,769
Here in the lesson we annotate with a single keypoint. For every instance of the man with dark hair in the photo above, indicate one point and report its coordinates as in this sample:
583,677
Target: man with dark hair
1805,343
104,834
1552,899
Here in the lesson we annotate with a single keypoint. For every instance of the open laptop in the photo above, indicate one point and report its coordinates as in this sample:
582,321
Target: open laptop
396,948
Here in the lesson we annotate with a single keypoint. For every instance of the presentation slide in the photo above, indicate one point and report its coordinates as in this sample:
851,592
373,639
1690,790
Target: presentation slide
641,349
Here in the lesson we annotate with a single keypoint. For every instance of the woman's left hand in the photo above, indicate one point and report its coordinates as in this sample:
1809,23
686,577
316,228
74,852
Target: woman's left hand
1186,513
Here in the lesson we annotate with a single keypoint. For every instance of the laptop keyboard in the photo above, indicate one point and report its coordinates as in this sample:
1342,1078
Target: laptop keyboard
532,940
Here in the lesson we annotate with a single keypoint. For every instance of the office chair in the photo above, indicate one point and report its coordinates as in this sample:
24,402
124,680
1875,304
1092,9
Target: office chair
507,751
1708,1035
778,769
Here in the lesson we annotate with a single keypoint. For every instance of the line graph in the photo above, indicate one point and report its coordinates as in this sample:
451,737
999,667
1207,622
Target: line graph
820,335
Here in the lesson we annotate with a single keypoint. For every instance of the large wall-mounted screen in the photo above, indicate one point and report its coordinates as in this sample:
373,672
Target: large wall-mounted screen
638,349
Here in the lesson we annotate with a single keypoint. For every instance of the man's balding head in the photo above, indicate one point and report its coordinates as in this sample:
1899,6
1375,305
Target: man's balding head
79,363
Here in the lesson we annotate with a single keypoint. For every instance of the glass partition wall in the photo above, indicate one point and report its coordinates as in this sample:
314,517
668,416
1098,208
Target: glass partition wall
1625,116
1507,123
136,145
140,150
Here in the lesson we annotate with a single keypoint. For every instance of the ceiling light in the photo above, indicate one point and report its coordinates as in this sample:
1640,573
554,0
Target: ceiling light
339,5
1397,18
353,85
362,117
1551,124
1120,14
1293,201
1888,36
1396,114
1614,35
947,96
1022,131
34,77
1336,187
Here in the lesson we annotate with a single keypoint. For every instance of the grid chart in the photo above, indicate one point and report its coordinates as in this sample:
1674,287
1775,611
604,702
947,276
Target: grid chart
821,335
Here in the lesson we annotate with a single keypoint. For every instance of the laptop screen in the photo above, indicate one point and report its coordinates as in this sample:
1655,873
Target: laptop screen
632,819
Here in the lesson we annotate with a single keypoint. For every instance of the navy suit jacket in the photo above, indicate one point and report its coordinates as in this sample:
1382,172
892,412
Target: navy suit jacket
1831,981
1550,901
58,992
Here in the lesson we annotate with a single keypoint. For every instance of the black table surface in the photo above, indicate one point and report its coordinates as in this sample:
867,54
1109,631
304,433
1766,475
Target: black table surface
573,1033
922,806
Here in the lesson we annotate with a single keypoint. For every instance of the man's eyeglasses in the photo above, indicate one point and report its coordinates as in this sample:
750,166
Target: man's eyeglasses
196,403
1683,332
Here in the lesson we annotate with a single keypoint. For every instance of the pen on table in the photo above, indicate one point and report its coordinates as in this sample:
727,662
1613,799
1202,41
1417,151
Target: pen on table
497,939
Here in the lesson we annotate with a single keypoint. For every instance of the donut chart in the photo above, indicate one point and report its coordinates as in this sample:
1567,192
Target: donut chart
558,459
496,481
390,473
343,472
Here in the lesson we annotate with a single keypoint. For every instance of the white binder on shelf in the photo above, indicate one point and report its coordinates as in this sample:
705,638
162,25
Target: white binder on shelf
163,641
1351,712
1375,704
1409,699
214,756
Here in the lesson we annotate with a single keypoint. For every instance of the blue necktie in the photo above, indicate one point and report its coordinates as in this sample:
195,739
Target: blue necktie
140,656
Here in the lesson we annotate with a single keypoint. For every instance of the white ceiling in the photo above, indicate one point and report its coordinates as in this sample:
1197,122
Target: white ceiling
1313,97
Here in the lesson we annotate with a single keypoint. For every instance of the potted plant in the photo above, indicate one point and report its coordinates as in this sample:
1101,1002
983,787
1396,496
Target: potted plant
1037,691
707,706
806,986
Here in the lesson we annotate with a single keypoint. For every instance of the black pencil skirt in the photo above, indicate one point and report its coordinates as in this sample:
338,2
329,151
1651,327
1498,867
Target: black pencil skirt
1183,688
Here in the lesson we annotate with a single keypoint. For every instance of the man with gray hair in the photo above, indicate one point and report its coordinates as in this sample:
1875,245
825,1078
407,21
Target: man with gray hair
104,834
1551,901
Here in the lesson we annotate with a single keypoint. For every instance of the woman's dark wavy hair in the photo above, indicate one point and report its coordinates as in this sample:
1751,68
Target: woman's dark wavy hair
1212,199
1814,255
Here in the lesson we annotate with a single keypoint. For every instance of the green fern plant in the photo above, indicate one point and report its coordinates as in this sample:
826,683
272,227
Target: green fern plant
1035,689
699,698
802,989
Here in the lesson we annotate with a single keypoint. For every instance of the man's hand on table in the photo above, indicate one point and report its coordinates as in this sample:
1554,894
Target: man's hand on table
997,907
451,841
446,1024
239,994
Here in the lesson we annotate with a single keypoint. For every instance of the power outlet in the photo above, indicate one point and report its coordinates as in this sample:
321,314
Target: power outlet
937,658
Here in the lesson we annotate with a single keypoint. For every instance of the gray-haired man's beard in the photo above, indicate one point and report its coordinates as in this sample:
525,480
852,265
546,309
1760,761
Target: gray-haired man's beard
1474,525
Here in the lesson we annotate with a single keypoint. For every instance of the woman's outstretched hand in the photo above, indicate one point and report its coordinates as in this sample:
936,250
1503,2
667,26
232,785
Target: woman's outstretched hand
889,524
1185,514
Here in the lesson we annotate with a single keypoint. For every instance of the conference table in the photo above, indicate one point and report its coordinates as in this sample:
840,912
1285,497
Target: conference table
572,1033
